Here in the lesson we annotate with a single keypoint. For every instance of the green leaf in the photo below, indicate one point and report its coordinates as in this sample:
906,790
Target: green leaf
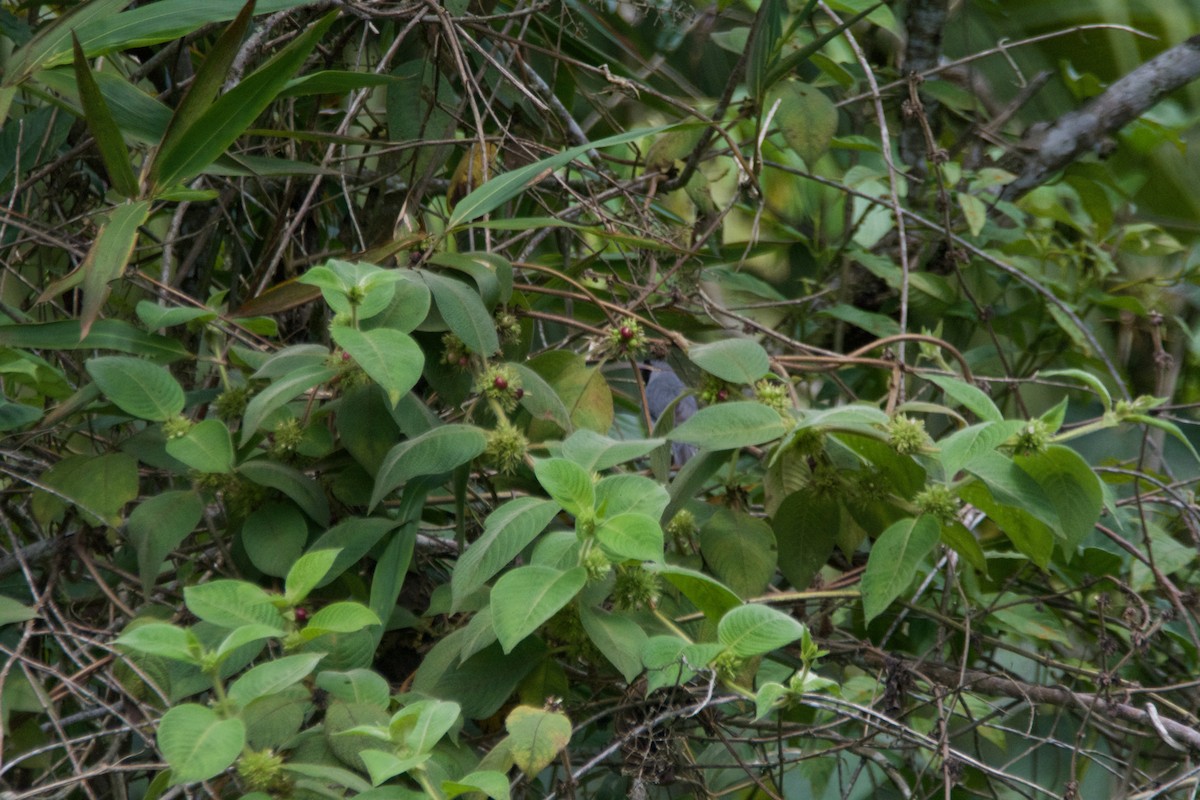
273,537
137,387
390,358
968,396
246,634
596,452
733,360
1086,378
231,604
740,549
491,782
806,117
618,638
104,128
307,573
335,81
1071,487
624,493
437,452
730,425
14,416
99,486
165,641
207,447
505,187
894,561
105,334
540,399
355,686
12,611
198,744
764,49
753,630
713,598
582,389
806,528
528,596
536,737
108,257
354,538
1028,534
419,726
464,312
210,134
205,85
54,40
158,525
569,484
631,536
507,532
381,766
343,617
273,676
962,449
305,491
281,392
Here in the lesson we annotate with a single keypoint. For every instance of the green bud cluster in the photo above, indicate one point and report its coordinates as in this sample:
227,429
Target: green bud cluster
501,383
938,500
506,447
177,427
636,588
627,339
907,435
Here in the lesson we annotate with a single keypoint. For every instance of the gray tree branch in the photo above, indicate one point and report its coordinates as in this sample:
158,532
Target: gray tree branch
1086,129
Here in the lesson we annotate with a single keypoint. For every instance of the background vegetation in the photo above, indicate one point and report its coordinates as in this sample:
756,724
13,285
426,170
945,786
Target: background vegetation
327,466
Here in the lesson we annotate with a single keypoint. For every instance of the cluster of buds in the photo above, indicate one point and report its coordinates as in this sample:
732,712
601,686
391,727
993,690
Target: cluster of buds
231,403
774,394
713,390
455,352
508,326
262,771
627,339
177,427
501,383
907,435
597,565
1033,438
286,438
682,530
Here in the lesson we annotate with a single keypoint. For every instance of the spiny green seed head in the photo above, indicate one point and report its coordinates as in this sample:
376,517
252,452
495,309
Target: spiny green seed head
508,326
728,665
937,500
177,427
506,447
1033,438
682,530
288,435
908,435
231,403
636,588
261,770
626,338
502,383
713,390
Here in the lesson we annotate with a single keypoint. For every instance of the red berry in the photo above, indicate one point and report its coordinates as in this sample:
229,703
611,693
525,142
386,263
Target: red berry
519,393
345,357
462,361
301,615
723,395
500,383
626,332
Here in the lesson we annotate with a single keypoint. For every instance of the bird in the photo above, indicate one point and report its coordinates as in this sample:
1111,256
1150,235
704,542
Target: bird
662,388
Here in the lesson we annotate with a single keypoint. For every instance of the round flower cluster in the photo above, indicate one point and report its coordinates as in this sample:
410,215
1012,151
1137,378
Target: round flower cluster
1033,438
774,394
908,435
635,588
937,500
454,351
506,447
177,427
501,383
627,339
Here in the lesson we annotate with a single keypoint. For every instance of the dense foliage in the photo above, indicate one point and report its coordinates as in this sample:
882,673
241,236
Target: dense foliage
327,464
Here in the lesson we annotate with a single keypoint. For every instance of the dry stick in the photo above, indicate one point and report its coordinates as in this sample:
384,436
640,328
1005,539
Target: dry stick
885,140
1076,133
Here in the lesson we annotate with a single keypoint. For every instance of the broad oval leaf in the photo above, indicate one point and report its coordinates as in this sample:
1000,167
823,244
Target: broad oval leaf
733,360
569,484
754,630
463,310
158,525
730,425
232,604
273,676
892,564
528,596
807,119
307,573
137,387
197,743
207,447
434,453
281,392
536,737
631,536
390,358
507,532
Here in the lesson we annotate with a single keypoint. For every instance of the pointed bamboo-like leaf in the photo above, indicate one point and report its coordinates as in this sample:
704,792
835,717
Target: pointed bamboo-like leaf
213,131
103,127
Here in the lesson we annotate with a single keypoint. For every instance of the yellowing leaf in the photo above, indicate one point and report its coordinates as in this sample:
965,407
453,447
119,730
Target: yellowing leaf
537,737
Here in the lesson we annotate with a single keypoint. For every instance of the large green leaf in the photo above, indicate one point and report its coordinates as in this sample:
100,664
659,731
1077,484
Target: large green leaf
1072,488
569,484
894,561
273,676
733,360
464,312
631,536
740,549
207,447
806,117
98,486
708,595
105,334
618,638
528,596
231,604
197,743
754,630
507,532
273,537
158,525
730,425
212,132
137,387
439,451
280,393
53,41
582,389
390,358
305,491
